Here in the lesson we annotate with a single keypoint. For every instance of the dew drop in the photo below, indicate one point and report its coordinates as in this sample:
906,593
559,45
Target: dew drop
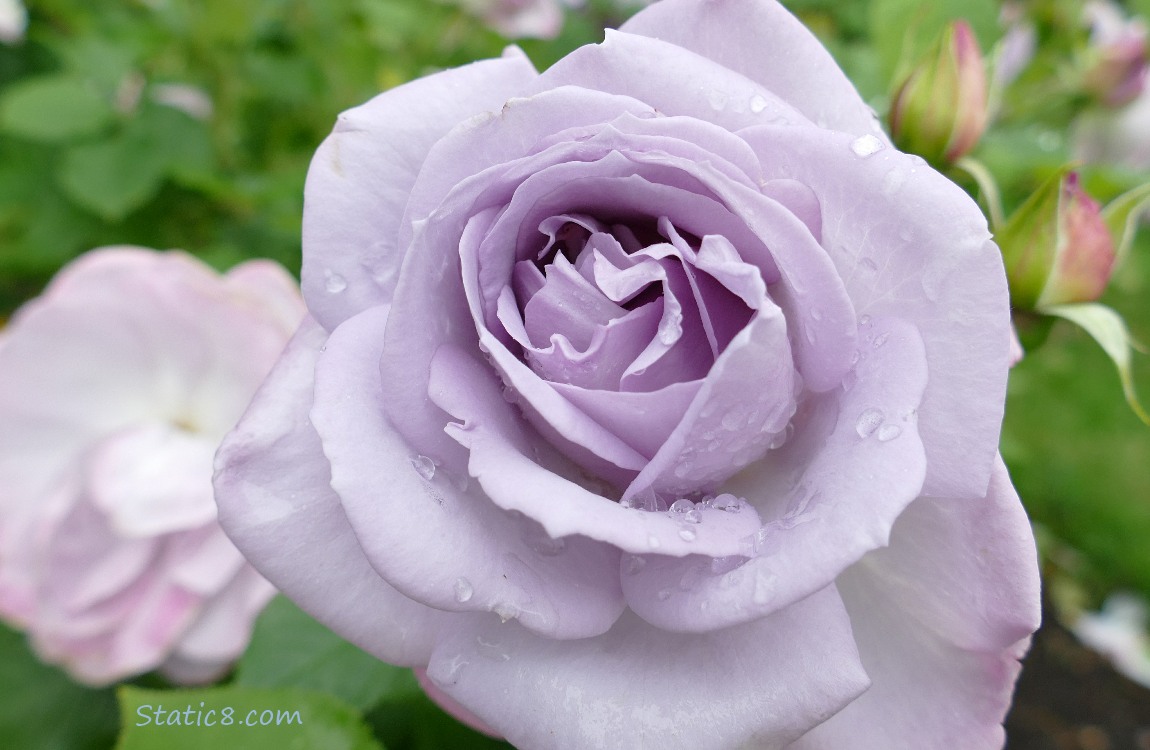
865,145
758,103
764,587
653,541
547,546
880,340
424,466
718,99
333,282
868,422
722,565
889,432
505,611
851,378
463,590
893,181
682,505
688,535
727,502
864,320
780,438
634,564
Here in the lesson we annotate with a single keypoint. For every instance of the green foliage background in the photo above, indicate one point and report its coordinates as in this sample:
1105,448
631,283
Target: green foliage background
93,153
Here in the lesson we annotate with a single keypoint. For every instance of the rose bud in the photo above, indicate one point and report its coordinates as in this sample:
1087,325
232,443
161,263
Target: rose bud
118,383
940,110
1057,246
1115,62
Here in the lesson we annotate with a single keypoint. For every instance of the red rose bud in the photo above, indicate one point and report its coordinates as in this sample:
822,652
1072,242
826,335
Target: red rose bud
1058,247
1114,65
940,110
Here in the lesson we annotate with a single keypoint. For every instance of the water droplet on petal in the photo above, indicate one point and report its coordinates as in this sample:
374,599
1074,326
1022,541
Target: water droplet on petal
505,611
721,565
333,282
880,340
780,438
864,320
889,432
718,99
868,422
764,587
758,103
634,564
463,590
653,541
687,535
865,145
547,546
727,502
893,181
424,466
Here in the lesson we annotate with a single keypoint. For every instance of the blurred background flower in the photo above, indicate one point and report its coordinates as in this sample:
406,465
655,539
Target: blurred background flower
118,383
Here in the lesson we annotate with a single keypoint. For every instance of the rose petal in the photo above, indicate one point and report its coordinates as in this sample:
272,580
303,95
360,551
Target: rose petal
916,248
746,398
757,685
654,72
941,618
544,488
276,503
153,479
764,42
485,558
353,210
851,482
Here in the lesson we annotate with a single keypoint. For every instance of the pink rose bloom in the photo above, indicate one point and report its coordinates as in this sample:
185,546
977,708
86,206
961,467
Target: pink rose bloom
650,401
1117,136
118,384
517,19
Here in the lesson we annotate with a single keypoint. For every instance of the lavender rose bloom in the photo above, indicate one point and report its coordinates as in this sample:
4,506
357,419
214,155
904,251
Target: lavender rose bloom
652,400
116,386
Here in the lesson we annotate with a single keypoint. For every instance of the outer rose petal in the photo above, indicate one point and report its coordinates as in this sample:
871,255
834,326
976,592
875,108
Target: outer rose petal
764,42
916,248
940,628
759,685
485,558
352,220
273,489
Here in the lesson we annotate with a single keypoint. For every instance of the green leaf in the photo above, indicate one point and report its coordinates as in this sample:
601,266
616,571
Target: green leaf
42,709
289,648
1109,330
1121,217
53,108
239,719
114,177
